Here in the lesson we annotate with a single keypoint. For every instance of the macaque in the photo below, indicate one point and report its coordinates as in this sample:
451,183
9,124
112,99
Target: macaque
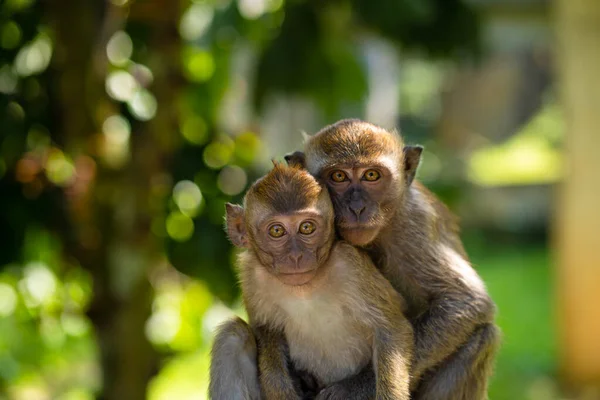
315,304
414,241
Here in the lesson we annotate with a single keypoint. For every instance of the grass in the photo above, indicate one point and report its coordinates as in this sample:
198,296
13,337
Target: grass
519,281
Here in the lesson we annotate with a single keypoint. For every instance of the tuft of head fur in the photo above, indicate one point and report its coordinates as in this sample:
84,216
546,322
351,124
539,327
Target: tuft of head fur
285,189
354,142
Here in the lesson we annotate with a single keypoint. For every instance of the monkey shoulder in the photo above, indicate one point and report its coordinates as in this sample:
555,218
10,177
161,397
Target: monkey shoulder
353,261
369,287
434,218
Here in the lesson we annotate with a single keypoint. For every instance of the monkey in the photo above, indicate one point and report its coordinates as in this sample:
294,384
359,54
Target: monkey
414,241
314,303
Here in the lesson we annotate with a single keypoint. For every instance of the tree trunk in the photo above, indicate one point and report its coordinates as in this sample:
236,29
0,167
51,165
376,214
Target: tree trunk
578,224
109,231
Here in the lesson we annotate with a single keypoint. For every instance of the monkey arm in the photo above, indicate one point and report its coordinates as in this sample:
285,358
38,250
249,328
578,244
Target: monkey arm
233,372
393,350
274,374
446,325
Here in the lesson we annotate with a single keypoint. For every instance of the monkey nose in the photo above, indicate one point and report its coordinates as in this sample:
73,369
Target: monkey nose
357,209
296,258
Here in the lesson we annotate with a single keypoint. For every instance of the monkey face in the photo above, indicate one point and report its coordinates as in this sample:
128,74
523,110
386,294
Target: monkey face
367,170
293,246
287,222
361,198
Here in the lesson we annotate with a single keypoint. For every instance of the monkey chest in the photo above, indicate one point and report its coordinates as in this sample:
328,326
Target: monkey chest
326,340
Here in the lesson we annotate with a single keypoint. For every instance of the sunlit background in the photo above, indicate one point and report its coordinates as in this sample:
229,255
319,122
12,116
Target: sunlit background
126,125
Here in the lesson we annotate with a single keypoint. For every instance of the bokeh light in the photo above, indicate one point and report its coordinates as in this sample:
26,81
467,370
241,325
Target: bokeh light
117,129
163,325
120,85
194,130
119,48
254,9
115,151
218,153
179,226
232,180
59,169
34,58
199,65
196,21
143,105
142,74
188,197
38,284
8,299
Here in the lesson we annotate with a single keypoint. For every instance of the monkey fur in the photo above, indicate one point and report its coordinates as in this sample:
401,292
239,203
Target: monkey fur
315,304
414,241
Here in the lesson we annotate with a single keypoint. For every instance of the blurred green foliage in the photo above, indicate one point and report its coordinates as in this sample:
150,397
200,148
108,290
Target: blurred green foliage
115,166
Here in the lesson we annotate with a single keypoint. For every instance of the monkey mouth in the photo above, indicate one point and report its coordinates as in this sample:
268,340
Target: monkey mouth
358,225
359,234
297,278
352,222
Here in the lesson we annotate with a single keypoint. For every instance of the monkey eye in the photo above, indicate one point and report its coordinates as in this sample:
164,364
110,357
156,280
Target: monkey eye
371,175
276,231
338,176
307,227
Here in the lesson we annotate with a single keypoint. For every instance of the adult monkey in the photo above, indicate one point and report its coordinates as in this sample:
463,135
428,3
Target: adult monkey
414,240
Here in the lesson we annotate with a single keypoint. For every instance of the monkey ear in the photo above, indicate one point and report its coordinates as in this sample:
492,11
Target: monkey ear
296,159
235,225
305,136
412,156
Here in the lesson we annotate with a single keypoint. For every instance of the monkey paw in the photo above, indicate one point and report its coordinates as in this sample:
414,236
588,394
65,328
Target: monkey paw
335,392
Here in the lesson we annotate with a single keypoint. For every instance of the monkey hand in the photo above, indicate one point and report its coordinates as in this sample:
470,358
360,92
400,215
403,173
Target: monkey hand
347,391
336,391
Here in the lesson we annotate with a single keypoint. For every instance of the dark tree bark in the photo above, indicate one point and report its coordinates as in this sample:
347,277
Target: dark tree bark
109,221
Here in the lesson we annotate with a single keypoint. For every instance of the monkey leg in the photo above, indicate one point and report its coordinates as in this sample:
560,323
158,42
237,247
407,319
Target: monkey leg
464,375
233,368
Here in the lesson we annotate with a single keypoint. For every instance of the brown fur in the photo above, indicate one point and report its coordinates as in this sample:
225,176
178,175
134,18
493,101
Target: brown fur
233,370
420,252
346,317
351,142
285,189
332,323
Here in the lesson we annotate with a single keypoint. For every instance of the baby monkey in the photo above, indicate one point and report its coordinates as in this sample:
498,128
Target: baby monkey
315,304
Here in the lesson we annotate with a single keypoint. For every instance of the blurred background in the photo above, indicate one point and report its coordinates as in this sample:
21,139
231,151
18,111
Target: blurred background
125,125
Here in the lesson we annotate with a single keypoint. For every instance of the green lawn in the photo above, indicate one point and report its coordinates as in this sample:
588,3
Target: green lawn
520,282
